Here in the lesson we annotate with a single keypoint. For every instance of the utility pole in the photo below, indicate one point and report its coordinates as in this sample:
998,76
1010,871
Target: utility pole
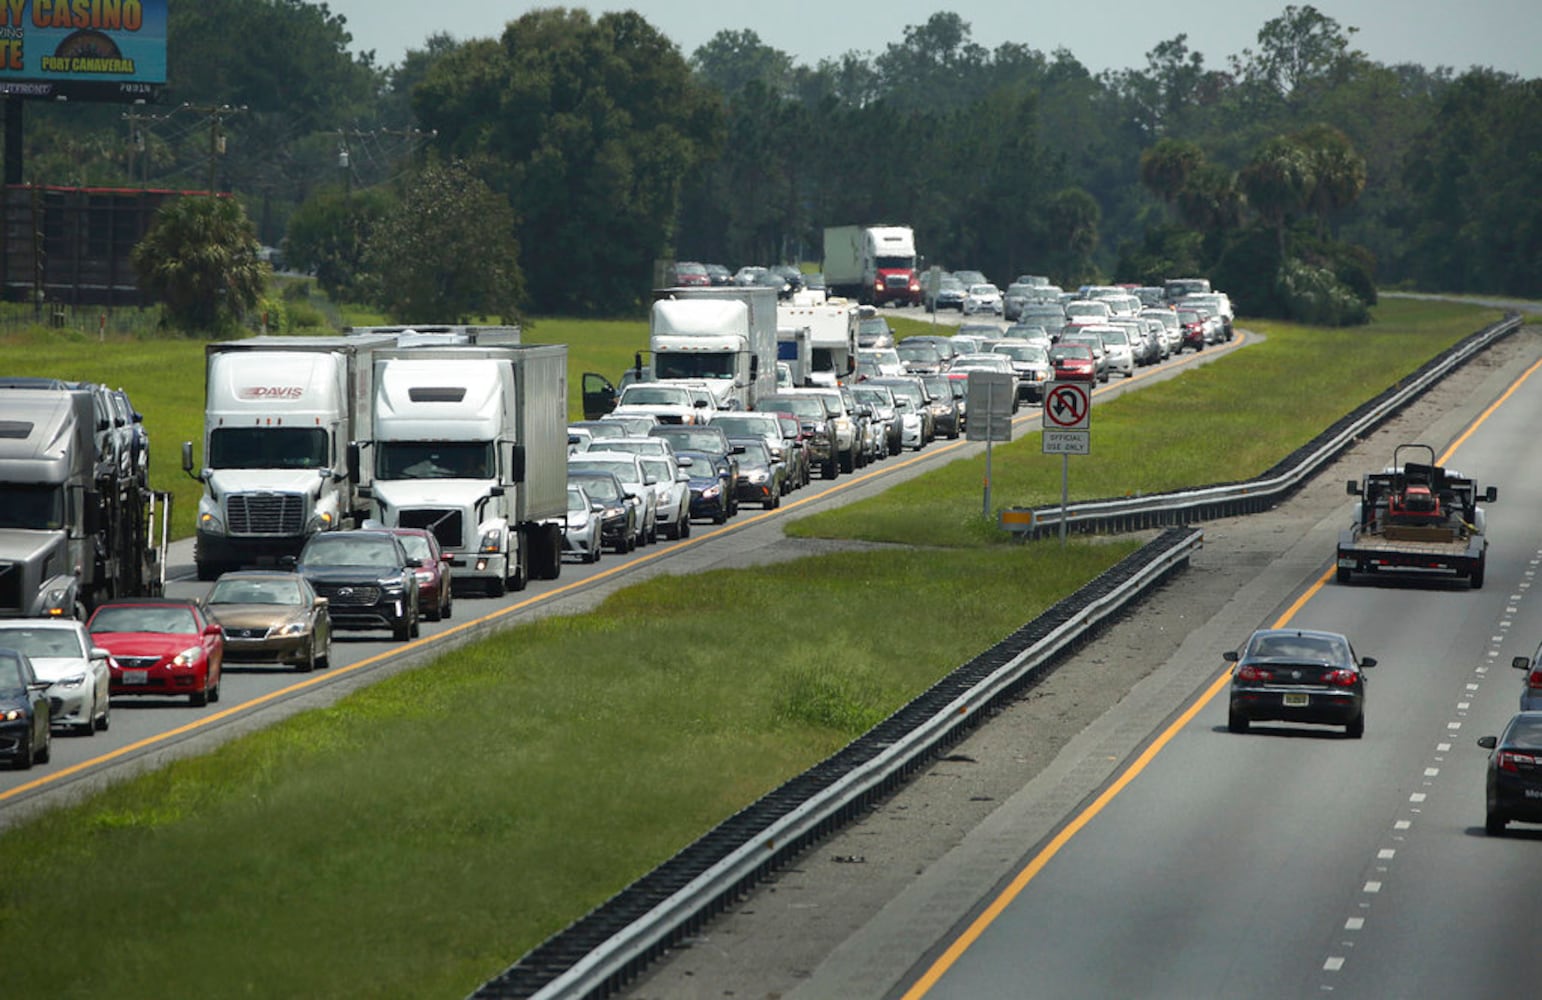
217,115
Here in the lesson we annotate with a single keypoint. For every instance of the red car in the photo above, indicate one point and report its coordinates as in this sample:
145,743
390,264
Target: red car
432,573
1073,363
160,646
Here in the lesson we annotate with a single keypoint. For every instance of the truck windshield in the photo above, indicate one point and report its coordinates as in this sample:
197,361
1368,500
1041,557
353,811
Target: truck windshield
268,448
682,365
896,263
435,460
31,508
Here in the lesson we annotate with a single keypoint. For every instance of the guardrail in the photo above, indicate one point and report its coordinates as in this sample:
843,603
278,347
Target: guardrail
608,947
1157,510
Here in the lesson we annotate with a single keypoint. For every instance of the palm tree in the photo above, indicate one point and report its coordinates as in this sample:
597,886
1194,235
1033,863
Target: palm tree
1165,168
1338,172
1277,182
199,258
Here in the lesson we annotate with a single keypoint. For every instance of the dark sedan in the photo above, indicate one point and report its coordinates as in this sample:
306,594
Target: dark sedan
710,476
24,713
1514,786
1298,675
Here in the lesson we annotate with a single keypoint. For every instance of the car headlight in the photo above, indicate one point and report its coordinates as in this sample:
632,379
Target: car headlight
187,657
712,492
393,586
757,477
70,682
11,714
287,629
614,512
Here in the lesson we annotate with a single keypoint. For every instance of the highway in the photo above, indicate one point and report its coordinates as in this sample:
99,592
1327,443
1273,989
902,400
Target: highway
1107,837
146,731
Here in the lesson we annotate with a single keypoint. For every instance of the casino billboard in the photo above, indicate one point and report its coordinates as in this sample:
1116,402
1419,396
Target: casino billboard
83,50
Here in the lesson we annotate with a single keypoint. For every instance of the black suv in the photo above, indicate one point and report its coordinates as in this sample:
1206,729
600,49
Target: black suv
366,577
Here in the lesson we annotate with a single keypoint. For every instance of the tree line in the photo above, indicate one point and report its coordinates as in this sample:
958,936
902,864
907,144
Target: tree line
547,169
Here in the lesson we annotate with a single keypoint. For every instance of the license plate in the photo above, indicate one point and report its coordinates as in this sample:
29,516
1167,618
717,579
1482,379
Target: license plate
136,676
1297,700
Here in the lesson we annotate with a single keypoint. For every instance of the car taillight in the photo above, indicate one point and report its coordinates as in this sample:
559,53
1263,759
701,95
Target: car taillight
1248,672
1534,680
1339,678
1509,760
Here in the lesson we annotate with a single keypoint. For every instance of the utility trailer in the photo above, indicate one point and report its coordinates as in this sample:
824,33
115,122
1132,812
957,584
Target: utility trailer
1416,515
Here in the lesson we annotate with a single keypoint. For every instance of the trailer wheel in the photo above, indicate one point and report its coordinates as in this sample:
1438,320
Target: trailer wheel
1477,575
1344,575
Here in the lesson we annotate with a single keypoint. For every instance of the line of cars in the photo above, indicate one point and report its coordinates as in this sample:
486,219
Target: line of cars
61,674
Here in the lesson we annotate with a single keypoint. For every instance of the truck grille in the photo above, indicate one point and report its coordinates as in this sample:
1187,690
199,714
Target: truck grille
898,281
10,587
342,596
265,513
448,526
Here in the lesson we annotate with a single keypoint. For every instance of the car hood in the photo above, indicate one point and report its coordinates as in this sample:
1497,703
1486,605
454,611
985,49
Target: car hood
366,575
144,643
53,668
224,481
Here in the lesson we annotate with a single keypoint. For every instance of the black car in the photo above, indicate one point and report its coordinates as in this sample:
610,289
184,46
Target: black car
24,712
709,439
621,517
1298,675
1514,783
367,578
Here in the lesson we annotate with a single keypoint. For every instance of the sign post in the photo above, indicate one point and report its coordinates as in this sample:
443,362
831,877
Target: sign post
1067,431
988,401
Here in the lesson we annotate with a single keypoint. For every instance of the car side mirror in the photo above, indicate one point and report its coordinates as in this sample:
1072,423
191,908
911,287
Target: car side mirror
1230,656
319,602
1491,494
1521,662
213,629
1488,742
1366,662
97,653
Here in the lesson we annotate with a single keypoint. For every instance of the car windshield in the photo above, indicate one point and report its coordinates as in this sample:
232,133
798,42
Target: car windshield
624,470
577,500
1021,352
416,546
643,394
144,618
802,407
326,550
694,439
244,590
1060,351
40,643
602,487
1314,648
978,290
908,392
755,452
743,425
919,352
658,468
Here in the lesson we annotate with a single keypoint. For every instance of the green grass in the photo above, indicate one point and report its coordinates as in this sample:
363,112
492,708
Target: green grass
420,835
1185,431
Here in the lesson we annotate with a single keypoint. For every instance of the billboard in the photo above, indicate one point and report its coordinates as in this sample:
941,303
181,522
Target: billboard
92,50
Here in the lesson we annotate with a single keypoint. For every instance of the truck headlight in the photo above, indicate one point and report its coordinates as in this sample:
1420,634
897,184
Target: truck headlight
211,524
492,541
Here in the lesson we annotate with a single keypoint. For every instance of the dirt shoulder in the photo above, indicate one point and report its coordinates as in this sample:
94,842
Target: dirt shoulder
851,915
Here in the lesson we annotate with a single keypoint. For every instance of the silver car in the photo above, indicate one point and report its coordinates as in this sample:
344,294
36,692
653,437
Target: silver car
581,530
76,669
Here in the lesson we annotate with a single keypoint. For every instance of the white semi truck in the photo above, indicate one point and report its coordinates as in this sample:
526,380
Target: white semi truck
724,336
832,338
279,415
470,442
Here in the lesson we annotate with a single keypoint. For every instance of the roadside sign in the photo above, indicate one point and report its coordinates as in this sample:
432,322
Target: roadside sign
988,400
1067,407
1067,442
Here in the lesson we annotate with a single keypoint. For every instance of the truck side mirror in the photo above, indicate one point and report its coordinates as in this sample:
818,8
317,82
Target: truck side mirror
1354,487
351,461
91,512
187,460
1491,494
517,463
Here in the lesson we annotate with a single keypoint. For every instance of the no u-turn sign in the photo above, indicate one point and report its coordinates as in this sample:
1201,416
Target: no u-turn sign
1068,407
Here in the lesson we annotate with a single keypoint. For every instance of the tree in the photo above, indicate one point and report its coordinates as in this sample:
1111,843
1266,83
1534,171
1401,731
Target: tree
1072,218
199,258
1276,182
1337,171
1300,48
446,253
731,60
1165,168
589,127
329,232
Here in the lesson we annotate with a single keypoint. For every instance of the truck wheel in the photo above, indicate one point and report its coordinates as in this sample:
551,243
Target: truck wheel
1477,576
495,587
1344,575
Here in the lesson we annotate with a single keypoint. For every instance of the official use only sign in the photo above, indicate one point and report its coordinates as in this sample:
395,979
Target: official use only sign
1067,419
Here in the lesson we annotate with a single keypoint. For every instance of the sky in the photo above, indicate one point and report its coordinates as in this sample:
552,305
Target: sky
1504,35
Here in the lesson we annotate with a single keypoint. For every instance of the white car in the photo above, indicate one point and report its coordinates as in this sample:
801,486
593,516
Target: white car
581,530
671,492
1121,353
77,670
983,297
628,468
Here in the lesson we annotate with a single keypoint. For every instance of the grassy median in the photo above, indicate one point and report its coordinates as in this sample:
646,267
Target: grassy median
418,836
